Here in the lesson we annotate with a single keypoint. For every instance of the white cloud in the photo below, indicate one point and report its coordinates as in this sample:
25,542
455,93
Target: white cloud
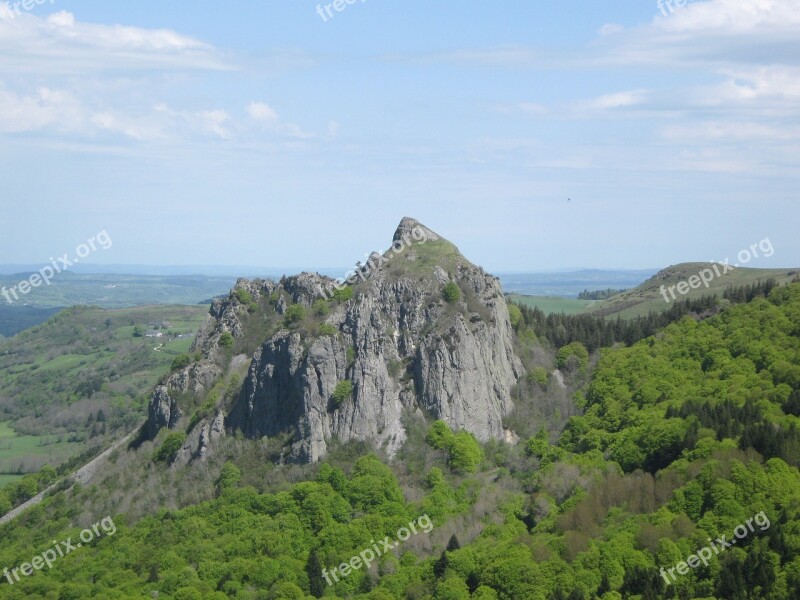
39,109
74,80
259,111
267,118
732,17
60,43
612,101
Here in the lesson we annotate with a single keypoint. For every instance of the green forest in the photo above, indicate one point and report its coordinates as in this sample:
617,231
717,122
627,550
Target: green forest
683,437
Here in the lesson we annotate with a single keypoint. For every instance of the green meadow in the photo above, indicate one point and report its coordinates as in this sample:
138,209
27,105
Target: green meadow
553,304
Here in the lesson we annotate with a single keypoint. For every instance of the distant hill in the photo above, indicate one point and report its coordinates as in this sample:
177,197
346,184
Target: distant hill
14,319
78,379
649,296
568,284
117,290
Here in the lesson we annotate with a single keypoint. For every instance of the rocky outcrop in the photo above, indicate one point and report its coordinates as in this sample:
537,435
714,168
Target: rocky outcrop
350,368
162,411
400,345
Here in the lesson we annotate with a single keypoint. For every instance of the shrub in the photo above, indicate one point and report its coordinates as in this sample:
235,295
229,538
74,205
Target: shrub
172,443
226,340
573,356
343,294
180,361
5,503
395,368
514,315
464,452
439,435
294,313
342,391
243,296
321,308
538,375
327,329
229,476
451,292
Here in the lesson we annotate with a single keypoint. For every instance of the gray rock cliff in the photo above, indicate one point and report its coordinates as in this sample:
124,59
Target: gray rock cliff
398,341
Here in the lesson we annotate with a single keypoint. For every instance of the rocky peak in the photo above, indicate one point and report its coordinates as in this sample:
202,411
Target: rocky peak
348,368
411,228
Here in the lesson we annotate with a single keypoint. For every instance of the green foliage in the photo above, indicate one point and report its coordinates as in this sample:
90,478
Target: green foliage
538,375
343,294
320,307
573,357
464,451
226,339
515,316
599,294
181,361
243,296
451,292
653,468
169,448
294,313
229,477
342,392
82,352
328,329
440,436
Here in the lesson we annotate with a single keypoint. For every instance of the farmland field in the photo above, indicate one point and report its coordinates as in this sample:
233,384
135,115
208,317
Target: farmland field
23,453
553,304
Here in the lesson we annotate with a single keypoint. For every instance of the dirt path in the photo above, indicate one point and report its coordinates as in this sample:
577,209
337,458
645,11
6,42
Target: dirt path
82,476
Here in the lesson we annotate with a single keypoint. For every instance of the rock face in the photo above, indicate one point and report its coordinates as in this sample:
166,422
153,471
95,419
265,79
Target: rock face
163,411
398,342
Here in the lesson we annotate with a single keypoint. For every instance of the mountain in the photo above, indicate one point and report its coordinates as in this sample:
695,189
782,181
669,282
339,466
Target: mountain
419,328
655,295
684,452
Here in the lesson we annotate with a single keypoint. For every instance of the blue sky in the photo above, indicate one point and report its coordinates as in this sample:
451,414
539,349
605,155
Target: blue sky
250,133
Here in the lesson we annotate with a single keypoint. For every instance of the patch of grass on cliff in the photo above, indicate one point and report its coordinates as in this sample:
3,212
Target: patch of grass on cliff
342,392
259,323
169,449
420,259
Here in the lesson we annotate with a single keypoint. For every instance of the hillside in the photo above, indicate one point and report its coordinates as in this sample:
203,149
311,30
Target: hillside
79,380
686,437
421,329
649,296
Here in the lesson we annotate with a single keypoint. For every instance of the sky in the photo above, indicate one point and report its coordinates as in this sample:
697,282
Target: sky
534,135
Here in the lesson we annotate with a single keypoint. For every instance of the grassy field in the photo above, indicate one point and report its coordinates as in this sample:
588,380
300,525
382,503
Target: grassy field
648,297
15,450
6,479
552,304
82,378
